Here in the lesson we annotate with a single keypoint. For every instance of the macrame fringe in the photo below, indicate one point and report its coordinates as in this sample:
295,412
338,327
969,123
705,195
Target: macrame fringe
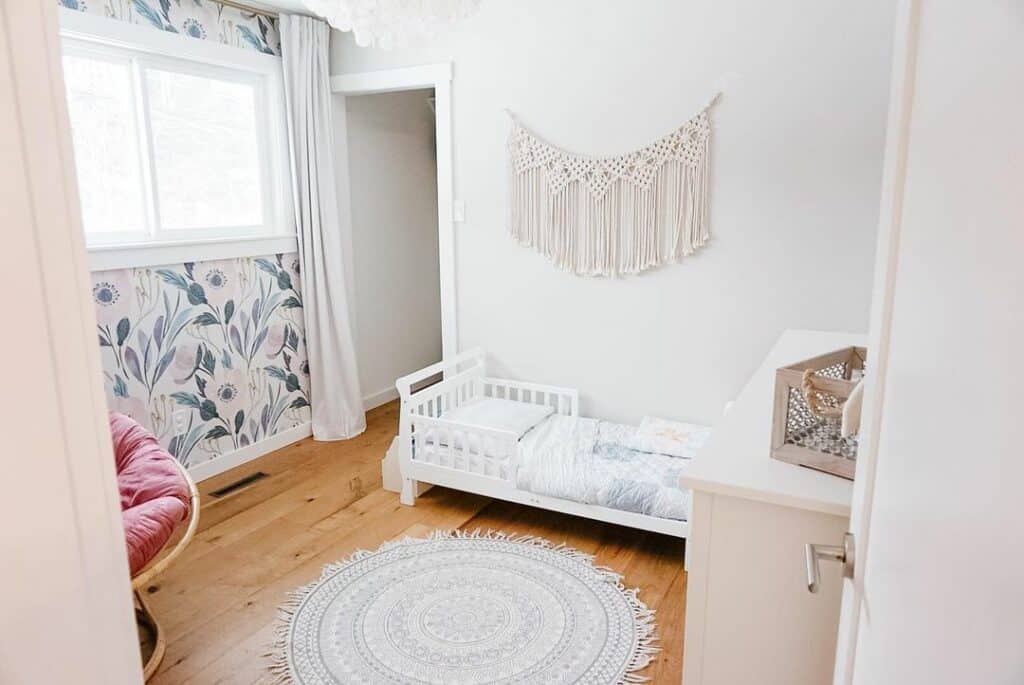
614,215
644,647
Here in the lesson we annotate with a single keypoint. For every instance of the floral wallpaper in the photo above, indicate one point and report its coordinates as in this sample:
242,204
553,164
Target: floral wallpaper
210,356
203,19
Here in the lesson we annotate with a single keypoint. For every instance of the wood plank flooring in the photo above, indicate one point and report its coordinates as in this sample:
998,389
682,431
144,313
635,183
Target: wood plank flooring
318,503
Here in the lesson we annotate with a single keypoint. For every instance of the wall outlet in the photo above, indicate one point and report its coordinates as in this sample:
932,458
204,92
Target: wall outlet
458,211
180,421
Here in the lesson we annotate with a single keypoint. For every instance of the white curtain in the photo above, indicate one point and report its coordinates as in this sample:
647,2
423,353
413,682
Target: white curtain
334,381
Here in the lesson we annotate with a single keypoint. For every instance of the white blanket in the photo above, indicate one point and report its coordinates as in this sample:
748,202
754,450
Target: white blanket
596,462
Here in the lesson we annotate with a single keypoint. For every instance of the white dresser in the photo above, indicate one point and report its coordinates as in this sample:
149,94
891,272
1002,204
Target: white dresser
750,619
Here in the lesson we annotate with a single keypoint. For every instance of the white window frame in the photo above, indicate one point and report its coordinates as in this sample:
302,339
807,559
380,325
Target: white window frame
100,37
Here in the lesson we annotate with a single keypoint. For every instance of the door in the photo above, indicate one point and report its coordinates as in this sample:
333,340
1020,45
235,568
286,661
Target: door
64,587
938,591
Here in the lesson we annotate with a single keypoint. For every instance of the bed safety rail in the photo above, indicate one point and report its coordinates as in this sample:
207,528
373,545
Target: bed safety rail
466,449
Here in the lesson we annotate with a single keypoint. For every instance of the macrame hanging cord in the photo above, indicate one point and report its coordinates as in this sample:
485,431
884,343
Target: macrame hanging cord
608,216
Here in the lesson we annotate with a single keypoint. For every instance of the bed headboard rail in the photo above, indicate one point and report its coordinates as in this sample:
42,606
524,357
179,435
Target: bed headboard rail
470,361
563,400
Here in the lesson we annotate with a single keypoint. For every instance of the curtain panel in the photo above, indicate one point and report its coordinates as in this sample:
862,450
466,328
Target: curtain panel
337,408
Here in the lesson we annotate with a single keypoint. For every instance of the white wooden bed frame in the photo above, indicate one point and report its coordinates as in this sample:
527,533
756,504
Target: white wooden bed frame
472,458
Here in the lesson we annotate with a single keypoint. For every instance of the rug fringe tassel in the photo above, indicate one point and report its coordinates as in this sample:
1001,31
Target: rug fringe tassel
644,617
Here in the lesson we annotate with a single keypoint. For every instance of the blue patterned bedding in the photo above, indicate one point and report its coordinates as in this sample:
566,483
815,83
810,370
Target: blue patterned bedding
597,462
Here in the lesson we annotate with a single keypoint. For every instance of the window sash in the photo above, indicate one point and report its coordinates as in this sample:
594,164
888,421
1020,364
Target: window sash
143,232
265,79
262,124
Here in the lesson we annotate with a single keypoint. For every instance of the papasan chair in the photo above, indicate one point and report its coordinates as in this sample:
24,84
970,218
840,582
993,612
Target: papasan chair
157,496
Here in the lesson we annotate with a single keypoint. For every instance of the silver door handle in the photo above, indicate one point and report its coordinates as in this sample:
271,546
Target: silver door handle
842,554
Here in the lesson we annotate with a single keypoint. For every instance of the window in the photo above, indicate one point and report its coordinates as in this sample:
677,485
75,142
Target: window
173,149
205,151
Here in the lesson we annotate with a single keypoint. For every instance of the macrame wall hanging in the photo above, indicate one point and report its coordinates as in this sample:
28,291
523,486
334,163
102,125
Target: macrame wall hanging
609,216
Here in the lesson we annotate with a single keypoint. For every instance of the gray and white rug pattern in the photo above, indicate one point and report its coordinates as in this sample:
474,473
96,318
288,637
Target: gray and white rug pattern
465,609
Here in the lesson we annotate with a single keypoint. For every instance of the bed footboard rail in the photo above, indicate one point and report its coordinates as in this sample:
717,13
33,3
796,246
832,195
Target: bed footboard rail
563,400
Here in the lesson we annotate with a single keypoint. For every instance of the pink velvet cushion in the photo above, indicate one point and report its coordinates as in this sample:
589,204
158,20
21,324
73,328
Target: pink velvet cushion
154,494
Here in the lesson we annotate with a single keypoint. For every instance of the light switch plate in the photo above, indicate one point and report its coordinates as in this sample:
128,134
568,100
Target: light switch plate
458,211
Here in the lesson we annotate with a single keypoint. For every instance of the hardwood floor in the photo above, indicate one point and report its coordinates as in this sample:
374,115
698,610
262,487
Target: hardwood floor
318,503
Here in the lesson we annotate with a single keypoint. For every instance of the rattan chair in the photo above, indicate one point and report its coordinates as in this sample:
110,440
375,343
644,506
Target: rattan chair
143,613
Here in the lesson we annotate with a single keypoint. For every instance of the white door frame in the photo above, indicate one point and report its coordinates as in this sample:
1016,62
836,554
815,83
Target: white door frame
67,595
901,97
438,77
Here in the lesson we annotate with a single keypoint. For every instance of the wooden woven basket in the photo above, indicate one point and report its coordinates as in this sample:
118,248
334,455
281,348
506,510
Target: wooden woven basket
809,398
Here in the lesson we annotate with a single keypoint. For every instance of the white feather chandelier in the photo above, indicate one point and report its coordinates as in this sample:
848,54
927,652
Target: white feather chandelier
392,23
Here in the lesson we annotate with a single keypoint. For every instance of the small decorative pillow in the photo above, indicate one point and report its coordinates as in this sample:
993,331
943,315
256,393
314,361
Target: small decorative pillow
491,412
674,438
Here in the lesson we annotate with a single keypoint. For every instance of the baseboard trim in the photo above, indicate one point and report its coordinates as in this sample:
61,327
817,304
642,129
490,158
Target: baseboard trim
378,398
374,400
230,460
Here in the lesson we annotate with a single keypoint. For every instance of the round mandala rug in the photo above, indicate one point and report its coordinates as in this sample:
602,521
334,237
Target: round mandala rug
463,609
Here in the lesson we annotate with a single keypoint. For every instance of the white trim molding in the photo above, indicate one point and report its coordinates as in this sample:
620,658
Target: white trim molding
391,80
439,77
159,254
390,394
376,399
229,460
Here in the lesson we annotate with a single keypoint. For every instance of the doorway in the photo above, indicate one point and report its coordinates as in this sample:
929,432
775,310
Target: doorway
392,160
426,85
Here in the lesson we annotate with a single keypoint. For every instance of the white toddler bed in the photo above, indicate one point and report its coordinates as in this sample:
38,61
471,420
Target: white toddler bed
544,454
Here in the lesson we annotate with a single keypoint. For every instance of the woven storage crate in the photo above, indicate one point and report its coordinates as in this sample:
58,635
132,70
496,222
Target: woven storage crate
809,397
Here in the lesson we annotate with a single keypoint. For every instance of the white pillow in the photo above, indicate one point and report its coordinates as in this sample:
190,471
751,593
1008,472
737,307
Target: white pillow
490,412
674,438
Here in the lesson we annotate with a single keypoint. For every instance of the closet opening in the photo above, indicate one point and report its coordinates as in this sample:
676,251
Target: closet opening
393,173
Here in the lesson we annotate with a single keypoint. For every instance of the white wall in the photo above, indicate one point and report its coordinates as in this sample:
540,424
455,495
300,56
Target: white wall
393,186
943,601
796,175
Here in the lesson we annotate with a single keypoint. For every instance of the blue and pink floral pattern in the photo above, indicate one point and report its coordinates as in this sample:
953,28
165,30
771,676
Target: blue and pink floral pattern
202,19
210,356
